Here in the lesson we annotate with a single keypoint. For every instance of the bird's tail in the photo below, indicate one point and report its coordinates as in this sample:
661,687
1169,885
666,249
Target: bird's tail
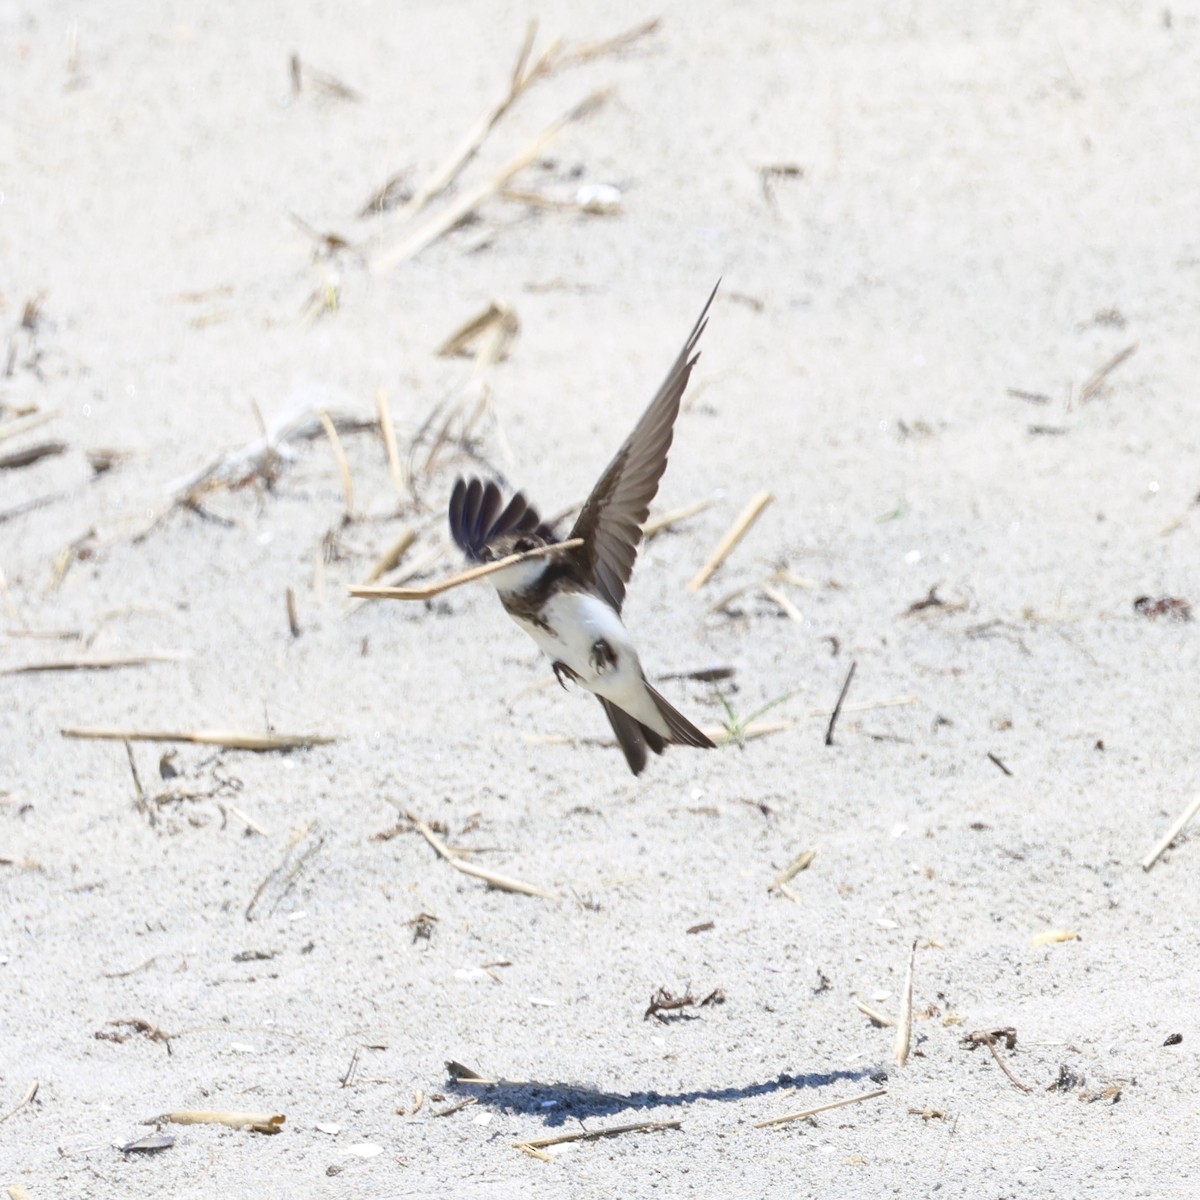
635,738
683,732
632,736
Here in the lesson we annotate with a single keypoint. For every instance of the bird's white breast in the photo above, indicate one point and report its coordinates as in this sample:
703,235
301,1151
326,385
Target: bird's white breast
573,623
576,622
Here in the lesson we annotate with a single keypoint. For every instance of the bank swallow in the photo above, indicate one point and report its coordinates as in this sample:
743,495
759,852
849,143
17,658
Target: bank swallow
570,602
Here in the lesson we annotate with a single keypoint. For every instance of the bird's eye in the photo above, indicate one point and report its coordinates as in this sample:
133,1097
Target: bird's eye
524,545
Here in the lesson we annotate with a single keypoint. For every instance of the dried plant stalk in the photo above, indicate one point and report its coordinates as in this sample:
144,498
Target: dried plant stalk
1096,381
1176,829
788,609
387,430
433,229
611,45
30,1092
592,1135
800,863
12,429
343,463
875,1015
657,524
503,882
461,156
31,454
820,1108
737,531
498,319
481,572
205,737
256,1122
904,1024
96,663
391,557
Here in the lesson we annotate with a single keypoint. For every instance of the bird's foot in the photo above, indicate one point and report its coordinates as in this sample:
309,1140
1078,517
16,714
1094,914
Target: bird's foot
562,672
603,656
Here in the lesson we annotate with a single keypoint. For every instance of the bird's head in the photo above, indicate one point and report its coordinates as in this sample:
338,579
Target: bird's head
520,575
487,530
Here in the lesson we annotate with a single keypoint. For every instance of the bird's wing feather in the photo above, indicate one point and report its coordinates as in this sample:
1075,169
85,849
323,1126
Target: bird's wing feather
478,515
611,520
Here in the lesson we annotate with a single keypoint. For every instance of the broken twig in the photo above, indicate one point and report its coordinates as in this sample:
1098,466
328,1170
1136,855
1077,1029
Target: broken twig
873,1014
296,857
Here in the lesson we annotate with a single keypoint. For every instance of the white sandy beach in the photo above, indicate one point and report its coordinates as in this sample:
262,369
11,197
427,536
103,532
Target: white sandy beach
939,233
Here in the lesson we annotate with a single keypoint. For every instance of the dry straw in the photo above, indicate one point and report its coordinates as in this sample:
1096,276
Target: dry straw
728,543
366,592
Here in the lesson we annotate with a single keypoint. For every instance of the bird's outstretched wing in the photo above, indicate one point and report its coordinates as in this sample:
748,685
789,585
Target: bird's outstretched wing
611,520
478,514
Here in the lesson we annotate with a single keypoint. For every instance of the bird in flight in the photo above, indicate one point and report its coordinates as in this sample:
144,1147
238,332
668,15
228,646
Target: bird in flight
569,602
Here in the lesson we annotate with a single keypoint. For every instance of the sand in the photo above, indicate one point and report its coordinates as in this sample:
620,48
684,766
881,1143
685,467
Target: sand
933,228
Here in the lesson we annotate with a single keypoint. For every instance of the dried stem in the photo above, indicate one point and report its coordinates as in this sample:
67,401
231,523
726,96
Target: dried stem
264,1122
30,1092
205,737
820,1108
657,524
725,547
433,229
387,431
443,851
96,663
904,1024
800,863
481,572
592,1135
1176,829
837,708
343,463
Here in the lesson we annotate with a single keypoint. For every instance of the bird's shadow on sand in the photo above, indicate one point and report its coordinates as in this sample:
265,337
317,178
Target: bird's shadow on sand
555,1103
